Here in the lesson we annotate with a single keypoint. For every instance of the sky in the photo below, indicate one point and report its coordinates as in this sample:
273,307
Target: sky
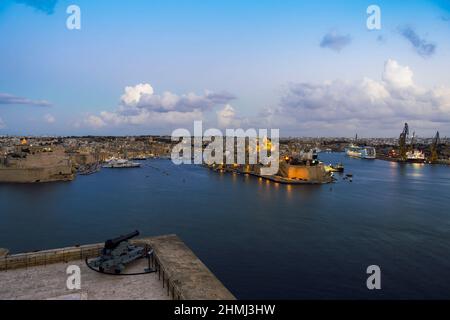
309,68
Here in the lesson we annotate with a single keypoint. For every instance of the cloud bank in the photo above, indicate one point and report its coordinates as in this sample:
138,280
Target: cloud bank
140,105
11,99
339,105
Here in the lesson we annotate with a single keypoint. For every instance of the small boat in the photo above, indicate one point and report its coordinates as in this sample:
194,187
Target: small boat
89,169
121,163
139,158
335,168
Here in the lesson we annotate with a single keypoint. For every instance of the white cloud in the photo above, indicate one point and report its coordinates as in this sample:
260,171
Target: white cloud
49,118
226,117
95,122
369,106
375,90
148,117
141,106
396,75
367,103
134,94
2,124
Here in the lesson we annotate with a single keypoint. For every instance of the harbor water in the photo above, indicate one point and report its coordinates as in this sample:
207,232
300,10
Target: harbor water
260,238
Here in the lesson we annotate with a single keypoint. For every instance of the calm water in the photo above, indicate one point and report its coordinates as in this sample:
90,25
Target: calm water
263,240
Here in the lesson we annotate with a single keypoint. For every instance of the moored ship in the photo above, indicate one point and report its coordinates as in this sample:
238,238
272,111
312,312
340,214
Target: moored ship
361,152
415,156
121,163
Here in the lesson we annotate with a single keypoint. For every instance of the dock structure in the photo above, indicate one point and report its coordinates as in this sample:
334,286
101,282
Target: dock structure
43,275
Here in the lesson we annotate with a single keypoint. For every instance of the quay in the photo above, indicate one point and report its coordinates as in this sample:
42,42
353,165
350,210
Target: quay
284,180
179,275
390,159
277,178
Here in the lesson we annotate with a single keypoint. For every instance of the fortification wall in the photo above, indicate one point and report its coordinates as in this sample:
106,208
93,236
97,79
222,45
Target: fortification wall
307,173
29,175
181,272
37,165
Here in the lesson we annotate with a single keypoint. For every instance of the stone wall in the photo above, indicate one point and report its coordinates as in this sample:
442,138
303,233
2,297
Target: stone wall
29,175
37,165
182,274
316,173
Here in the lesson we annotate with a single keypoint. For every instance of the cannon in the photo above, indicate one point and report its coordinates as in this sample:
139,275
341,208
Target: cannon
116,253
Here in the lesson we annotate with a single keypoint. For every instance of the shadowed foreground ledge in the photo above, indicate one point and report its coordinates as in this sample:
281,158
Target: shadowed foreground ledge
187,273
42,275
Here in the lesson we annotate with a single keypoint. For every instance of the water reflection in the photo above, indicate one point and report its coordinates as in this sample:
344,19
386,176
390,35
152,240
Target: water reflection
319,233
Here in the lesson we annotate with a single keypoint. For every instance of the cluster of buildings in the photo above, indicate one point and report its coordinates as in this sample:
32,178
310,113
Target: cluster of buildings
294,164
42,159
45,159
386,148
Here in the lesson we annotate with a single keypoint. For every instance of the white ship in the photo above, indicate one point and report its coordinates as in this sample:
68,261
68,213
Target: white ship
415,156
121,163
361,152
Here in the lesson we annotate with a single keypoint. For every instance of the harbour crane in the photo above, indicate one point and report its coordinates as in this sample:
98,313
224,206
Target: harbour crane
435,148
402,142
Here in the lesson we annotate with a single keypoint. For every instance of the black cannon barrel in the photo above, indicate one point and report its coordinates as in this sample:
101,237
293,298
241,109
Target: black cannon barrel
112,243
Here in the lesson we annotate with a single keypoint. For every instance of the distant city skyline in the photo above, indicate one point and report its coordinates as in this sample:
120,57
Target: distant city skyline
146,68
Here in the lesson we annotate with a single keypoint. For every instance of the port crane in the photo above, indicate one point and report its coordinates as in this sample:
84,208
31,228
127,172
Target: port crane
435,148
402,141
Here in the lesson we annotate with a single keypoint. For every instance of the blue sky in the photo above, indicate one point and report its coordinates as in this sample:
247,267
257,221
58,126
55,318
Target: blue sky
308,68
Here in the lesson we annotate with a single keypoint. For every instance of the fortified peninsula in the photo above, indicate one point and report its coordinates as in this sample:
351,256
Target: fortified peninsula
28,164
